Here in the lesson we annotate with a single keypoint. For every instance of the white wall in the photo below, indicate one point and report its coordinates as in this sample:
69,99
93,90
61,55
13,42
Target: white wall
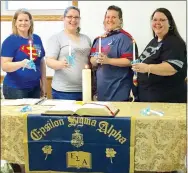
136,16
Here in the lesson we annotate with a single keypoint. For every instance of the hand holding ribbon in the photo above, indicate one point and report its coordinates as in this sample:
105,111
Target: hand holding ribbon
70,59
135,61
140,67
29,64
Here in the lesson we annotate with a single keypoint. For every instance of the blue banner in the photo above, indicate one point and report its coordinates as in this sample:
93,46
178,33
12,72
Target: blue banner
78,144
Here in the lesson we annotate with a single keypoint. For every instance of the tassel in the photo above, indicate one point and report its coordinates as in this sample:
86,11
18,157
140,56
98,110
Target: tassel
135,82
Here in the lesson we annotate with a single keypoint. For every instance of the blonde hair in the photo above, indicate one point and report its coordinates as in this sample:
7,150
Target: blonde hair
14,28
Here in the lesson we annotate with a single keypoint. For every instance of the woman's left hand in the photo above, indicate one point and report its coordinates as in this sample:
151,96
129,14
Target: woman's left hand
103,59
140,67
43,91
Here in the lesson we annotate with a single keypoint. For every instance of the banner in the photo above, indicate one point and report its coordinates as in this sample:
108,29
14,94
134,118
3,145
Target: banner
79,144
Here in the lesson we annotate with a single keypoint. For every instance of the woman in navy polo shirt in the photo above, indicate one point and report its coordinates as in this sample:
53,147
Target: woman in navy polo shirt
114,75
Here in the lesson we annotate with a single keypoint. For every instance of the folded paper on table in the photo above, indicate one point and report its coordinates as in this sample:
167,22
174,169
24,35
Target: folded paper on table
79,144
87,109
20,102
54,102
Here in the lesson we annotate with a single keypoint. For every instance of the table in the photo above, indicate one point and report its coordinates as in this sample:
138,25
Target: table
160,142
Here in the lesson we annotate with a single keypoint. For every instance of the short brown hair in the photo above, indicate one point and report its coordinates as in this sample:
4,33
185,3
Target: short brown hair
72,8
22,11
120,13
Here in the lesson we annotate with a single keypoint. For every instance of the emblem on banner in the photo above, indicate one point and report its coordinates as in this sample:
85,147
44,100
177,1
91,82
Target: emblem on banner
79,159
110,153
47,149
77,139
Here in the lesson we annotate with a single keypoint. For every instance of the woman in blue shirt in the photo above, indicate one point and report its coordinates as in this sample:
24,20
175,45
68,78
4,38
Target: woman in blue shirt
114,75
21,81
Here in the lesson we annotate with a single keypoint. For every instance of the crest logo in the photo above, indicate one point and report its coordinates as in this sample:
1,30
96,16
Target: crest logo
77,139
79,159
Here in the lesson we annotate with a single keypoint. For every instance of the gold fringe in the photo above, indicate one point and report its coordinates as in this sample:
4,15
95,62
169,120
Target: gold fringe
25,141
132,144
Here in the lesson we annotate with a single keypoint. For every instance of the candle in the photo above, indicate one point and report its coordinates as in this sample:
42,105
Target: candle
30,49
86,84
135,82
69,48
134,57
99,44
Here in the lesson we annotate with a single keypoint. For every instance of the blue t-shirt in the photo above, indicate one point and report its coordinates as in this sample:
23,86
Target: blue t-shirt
114,83
18,48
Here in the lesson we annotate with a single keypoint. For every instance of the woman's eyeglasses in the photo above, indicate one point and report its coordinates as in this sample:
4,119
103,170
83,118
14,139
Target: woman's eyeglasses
71,17
160,20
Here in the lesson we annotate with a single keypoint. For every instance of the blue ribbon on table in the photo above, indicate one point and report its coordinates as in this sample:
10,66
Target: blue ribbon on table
147,111
26,109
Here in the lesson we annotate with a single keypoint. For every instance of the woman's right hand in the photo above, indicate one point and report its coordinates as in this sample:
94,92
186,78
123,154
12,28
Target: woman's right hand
25,63
64,63
93,60
55,64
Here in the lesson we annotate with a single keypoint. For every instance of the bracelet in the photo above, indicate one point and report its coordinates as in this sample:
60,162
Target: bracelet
149,70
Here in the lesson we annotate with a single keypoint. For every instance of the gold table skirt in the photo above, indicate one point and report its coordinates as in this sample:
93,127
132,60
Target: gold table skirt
160,142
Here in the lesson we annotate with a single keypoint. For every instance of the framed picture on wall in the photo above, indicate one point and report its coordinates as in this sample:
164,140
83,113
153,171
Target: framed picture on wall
41,10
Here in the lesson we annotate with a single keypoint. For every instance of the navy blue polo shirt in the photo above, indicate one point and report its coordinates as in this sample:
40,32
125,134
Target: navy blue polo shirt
114,83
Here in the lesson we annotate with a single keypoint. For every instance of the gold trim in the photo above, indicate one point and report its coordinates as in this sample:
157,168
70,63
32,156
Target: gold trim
25,141
57,172
75,3
132,144
40,17
37,18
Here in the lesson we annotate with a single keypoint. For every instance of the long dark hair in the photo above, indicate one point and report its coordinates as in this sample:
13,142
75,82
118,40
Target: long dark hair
173,28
